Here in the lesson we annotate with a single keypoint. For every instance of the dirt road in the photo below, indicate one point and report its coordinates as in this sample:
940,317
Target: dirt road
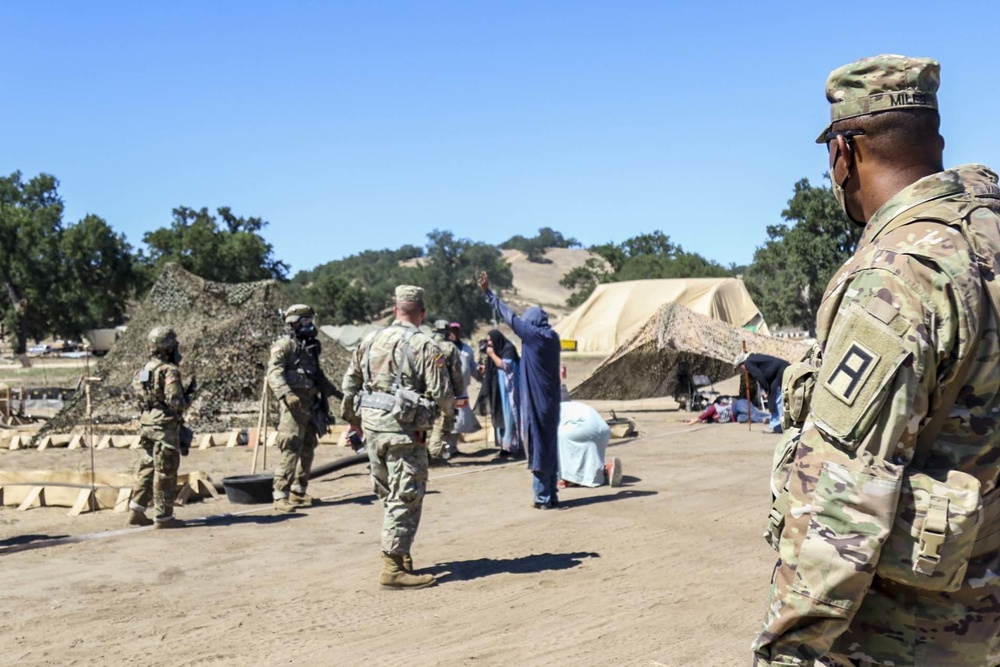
669,569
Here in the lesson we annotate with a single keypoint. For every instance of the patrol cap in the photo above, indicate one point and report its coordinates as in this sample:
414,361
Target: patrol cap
293,313
410,293
881,83
740,358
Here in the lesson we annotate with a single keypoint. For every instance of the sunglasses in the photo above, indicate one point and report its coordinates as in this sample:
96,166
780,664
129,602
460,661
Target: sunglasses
847,134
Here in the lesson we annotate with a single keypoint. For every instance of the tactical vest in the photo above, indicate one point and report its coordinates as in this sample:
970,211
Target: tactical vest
148,387
406,404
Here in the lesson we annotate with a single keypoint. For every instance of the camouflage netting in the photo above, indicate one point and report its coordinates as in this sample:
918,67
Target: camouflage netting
646,366
225,331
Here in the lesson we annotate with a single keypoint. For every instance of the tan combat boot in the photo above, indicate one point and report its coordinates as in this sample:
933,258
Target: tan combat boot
137,518
169,522
284,505
301,499
395,577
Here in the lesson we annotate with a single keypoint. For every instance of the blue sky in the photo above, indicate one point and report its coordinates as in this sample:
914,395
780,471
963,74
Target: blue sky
356,125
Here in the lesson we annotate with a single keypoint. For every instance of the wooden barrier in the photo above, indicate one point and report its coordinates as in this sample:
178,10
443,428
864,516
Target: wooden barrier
13,439
73,489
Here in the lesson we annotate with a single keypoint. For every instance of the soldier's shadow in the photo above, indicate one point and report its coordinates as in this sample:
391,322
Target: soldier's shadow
465,570
234,520
20,540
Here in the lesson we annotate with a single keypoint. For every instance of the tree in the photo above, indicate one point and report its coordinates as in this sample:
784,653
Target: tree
647,256
99,275
790,271
233,252
535,247
57,280
448,277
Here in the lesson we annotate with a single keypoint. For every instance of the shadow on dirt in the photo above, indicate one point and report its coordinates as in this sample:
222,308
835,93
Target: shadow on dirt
464,570
570,503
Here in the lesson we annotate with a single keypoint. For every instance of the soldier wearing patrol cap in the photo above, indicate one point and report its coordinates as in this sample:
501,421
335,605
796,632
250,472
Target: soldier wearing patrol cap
302,389
442,443
885,506
394,389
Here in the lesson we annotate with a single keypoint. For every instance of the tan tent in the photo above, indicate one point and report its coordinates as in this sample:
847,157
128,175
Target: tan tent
616,311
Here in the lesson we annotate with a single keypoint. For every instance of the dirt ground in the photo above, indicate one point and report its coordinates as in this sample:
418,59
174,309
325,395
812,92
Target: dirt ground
670,569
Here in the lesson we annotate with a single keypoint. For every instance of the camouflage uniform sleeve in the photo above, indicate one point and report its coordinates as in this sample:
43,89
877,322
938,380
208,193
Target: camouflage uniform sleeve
433,367
173,391
878,377
353,382
276,370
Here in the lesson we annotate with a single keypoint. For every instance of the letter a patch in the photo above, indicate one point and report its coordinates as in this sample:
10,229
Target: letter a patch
849,374
860,361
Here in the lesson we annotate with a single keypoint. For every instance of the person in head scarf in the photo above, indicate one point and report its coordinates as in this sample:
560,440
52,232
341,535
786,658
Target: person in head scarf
501,392
540,393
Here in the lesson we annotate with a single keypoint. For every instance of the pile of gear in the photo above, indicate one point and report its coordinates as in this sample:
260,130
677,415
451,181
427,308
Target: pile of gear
677,339
225,331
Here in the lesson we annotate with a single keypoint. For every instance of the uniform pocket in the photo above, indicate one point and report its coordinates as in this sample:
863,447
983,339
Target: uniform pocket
851,513
937,525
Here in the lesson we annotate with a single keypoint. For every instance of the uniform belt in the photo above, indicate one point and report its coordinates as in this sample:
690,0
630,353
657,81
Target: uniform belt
379,400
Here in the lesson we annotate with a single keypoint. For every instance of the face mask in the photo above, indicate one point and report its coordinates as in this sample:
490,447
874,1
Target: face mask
176,356
306,330
841,197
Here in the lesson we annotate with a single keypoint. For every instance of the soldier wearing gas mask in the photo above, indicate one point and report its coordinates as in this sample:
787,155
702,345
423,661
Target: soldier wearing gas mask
302,390
163,436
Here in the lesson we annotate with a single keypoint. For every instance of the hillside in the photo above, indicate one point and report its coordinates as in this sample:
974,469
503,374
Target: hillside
538,284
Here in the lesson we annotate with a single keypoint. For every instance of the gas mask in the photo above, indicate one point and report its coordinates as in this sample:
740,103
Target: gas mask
305,328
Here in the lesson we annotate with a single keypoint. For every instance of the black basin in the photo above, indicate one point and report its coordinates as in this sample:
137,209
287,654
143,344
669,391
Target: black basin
249,489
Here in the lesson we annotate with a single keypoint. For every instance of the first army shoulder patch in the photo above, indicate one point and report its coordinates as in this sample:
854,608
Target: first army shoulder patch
860,361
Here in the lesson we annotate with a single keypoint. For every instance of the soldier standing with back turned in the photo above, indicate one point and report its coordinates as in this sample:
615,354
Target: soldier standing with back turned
394,388
302,389
442,442
162,401
886,504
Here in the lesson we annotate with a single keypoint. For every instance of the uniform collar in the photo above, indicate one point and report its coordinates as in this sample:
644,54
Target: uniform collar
972,177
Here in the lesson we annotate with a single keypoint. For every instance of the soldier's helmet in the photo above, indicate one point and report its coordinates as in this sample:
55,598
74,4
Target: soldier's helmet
294,313
441,326
162,339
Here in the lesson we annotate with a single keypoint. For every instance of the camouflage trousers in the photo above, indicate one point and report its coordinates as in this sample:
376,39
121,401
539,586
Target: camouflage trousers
441,439
296,440
399,479
156,474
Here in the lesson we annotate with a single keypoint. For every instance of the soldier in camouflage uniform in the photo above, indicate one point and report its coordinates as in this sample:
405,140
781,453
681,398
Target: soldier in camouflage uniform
394,387
442,443
302,390
886,512
162,401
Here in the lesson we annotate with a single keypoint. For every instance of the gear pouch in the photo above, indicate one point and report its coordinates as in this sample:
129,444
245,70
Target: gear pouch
797,385
935,531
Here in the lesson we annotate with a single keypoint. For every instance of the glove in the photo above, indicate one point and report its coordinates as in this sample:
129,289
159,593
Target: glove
293,402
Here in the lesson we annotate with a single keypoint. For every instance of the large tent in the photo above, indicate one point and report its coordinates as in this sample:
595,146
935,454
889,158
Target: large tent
616,311
647,365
